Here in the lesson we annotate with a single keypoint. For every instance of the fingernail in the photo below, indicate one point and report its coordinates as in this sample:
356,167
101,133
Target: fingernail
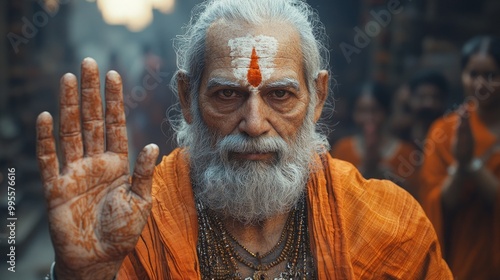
88,60
44,117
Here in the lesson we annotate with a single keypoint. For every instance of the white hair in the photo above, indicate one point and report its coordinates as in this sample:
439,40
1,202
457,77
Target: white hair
190,47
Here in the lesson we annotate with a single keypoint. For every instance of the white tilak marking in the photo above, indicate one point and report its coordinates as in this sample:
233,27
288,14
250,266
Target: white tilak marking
266,48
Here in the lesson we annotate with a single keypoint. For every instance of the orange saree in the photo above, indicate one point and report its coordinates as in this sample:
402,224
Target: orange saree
469,236
360,229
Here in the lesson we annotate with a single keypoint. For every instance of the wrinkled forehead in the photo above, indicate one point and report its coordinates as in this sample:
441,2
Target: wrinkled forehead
221,32
252,52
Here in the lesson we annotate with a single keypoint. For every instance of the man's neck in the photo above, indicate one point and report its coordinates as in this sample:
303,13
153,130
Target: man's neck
257,238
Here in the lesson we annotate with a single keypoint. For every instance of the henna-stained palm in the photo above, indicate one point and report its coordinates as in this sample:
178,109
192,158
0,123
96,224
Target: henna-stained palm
96,211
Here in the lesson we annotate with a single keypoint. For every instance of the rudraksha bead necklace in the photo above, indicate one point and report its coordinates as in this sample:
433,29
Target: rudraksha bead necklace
219,258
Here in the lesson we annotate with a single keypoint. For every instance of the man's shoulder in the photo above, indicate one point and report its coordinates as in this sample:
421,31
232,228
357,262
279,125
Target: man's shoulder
352,186
381,222
378,208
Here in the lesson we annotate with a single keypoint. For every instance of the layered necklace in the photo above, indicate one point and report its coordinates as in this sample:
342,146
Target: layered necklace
221,255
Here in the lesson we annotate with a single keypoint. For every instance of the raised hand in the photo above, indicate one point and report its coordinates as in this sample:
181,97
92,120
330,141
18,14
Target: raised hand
96,211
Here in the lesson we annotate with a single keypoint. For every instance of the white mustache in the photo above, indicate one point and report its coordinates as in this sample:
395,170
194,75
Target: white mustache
240,143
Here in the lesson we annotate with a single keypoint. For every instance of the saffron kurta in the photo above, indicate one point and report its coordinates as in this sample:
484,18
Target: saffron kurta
360,229
470,237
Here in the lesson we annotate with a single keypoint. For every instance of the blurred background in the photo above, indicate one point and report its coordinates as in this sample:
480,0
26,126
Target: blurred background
370,40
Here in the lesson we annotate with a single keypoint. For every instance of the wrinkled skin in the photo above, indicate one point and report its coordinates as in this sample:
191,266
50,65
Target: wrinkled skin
96,210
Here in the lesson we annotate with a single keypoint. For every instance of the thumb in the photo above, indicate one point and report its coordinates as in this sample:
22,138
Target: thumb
143,171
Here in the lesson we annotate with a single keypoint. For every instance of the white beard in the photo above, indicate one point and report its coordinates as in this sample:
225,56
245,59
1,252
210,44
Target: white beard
251,191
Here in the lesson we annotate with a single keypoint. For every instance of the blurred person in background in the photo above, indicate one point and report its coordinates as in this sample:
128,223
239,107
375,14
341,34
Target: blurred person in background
460,175
340,121
401,120
428,95
373,150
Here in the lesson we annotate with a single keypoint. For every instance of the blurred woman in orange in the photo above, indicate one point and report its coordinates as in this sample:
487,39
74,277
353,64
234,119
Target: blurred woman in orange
461,171
373,150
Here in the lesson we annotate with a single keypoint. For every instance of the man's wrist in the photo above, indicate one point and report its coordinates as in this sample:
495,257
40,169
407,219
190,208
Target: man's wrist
52,275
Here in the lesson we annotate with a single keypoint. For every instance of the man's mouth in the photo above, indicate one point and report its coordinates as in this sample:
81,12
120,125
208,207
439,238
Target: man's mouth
256,156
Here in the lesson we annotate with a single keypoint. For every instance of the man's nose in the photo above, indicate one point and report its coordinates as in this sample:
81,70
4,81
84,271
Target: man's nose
255,119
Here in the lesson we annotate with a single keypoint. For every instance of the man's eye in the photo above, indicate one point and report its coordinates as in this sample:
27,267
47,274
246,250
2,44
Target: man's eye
227,93
280,93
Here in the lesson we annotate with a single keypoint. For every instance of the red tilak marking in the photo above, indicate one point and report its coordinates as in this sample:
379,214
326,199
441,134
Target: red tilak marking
254,76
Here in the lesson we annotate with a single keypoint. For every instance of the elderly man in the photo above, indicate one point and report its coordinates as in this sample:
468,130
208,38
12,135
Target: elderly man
251,194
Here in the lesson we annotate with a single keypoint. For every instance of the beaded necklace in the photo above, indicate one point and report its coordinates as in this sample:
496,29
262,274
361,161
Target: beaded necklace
219,258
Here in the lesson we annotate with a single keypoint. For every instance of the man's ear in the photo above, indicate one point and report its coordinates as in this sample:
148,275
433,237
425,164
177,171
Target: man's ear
184,96
321,93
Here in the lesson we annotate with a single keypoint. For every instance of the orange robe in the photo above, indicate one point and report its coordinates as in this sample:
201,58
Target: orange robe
402,166
470,237
360,229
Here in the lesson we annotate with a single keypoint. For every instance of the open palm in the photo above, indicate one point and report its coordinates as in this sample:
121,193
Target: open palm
96,212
